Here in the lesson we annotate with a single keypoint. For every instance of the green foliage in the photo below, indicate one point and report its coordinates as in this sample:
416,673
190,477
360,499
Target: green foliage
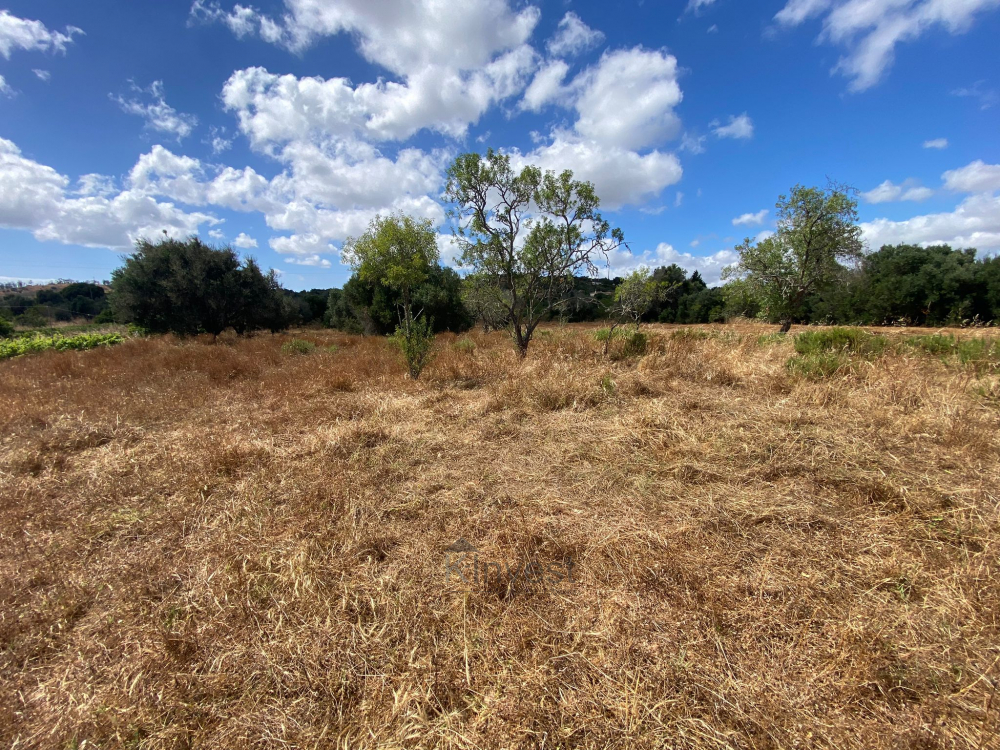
840,340
817,365
189,288
33,317
16,347
525,235
634,344
467,346
105,316
771,338
6,328
816,232
416,344
298,346
371,308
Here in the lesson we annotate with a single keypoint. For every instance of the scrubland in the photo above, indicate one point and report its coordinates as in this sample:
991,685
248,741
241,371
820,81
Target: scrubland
241,544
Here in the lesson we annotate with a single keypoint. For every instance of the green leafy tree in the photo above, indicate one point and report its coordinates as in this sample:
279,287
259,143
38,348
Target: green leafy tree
189,287
525,235
816,232
399,252
634,296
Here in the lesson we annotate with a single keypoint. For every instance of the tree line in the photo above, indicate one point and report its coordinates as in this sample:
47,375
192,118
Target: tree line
531,247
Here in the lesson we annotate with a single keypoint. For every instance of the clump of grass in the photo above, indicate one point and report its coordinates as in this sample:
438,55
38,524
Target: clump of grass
843,340
633,344
464,345
33,344
980,353
298,346
769,339
692,334
817,365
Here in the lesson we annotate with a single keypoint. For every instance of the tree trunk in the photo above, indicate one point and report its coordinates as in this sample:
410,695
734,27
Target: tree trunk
786,325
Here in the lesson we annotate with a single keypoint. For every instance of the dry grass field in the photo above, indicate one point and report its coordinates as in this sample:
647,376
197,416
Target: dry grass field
231,545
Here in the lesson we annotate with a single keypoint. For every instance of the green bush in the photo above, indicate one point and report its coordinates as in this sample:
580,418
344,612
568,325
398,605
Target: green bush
846,340
817,365
298,346
21,345
634,344
415,344
468,346
6,328
977,352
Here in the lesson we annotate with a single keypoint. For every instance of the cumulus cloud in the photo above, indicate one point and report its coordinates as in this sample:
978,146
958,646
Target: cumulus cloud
572,37
888,192
709,266
977,177
36,198
628,98
938,143
750,219
871,29
400,35
150,104
739,127
975,222
546,87
20,33
621,177
244,241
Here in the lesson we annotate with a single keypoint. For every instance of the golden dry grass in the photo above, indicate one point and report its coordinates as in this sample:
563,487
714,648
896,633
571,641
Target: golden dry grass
230,546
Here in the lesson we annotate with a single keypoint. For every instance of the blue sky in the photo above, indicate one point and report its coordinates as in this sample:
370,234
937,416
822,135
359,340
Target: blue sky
284,126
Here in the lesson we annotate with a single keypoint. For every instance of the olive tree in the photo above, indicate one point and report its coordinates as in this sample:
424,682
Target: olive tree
525,234
816,232
399,252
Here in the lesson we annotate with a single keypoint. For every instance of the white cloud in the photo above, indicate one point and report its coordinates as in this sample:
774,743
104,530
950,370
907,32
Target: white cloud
938,143
216,234
694,144
621,177
709,266
42,74
218,141
975,222
546,87
750,219
572,37
36,198
739,127
696,5
273,108
986,97
627,99
977,177
400,35
888,192
871,29
244,241
713,29
20,33
5,87
678,199
156,112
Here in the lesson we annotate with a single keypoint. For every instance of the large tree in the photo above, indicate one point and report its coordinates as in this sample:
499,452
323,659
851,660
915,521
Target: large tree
189,287
525,234
816,232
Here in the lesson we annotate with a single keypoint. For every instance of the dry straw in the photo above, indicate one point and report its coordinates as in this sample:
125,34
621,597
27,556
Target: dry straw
224,545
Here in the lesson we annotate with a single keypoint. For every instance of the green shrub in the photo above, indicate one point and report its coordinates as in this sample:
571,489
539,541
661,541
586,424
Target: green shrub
415,344
634,344
468,346
15,347
6,328
846,340
817,365
771,338
977,352
298,346
937,344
